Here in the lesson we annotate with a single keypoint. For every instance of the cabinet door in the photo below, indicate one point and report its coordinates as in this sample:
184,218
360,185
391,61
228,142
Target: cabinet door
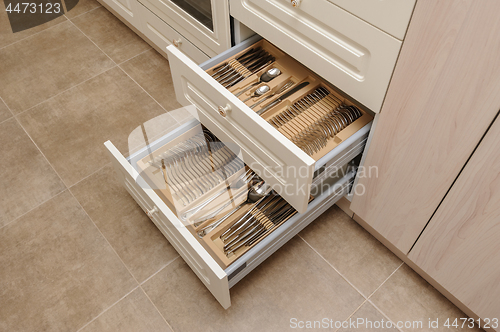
443,96
460,248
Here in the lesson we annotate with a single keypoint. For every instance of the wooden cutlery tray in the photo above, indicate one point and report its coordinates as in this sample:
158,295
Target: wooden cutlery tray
152,172
291,70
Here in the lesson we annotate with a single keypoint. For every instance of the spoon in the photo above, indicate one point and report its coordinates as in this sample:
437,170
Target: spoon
259,92
266,77
255,194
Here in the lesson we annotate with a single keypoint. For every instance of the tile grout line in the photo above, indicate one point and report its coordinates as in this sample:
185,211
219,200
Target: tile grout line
163,108
102,312
8,108
86,177
159,270
88,11
402,263
154,305
151,301
367,300
355,311
119,66
36,33
25,213
68,89
333,267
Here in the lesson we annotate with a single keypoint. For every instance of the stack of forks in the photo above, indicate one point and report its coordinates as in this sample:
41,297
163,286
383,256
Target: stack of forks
193,167
316,118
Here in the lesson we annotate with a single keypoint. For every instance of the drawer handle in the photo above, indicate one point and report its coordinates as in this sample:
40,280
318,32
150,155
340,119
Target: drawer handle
152,211
296,3
177,42
224,109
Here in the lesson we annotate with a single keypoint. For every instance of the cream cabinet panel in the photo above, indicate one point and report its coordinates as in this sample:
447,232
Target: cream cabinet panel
126,9
460,248
442,98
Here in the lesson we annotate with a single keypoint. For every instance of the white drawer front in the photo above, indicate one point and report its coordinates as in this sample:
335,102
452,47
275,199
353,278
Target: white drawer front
345,50
210,42
163,35
270,154
392,16
200,261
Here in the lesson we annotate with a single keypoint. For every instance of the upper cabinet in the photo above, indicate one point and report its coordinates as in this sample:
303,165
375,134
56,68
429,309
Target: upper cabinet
443,96
345,50
392,16
460,248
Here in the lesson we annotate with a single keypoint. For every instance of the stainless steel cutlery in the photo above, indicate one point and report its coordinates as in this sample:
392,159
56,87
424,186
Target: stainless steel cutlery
285,87
282,97
195,166
265,77
317,117
236,70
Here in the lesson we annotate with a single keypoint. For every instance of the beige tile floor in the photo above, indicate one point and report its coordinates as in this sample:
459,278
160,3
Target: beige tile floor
77,253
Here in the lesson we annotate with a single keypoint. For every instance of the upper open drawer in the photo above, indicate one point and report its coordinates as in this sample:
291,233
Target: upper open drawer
267,143
348,52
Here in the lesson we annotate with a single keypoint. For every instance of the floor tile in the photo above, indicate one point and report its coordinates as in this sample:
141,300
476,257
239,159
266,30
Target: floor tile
7,37
72,128
138,242
361,258
82,7
134,313
152,71
57,271
367,319
4,112
408,297
293,283
46,64
111,35
27,179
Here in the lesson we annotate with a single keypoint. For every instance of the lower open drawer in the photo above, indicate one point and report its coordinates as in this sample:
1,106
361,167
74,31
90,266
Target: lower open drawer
155,190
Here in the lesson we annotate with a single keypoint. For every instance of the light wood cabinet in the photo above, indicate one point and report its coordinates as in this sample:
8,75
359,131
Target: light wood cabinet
460,248
443,96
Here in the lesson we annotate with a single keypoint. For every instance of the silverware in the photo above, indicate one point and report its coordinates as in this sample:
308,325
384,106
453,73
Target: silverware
265,77
255,194
257,223
261,90
282,97
193,167
286,86
235,184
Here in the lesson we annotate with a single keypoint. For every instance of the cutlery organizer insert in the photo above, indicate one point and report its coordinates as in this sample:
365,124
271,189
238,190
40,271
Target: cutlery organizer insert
317,117
187,175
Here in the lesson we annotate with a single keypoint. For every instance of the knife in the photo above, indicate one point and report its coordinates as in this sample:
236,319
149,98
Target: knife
282,97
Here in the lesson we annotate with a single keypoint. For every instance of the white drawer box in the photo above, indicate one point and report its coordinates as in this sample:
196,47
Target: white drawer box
261,146
346,51
211,42
203,264
163,35
392,16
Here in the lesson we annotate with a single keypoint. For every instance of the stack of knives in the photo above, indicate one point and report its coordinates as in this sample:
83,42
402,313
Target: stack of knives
236,70
260,220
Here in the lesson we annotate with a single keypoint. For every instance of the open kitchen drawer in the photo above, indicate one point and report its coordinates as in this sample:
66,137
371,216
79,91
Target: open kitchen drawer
143,176
266,148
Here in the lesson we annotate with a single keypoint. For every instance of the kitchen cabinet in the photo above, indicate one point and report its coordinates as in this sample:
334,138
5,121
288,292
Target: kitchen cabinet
444,94
460,248
127,9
